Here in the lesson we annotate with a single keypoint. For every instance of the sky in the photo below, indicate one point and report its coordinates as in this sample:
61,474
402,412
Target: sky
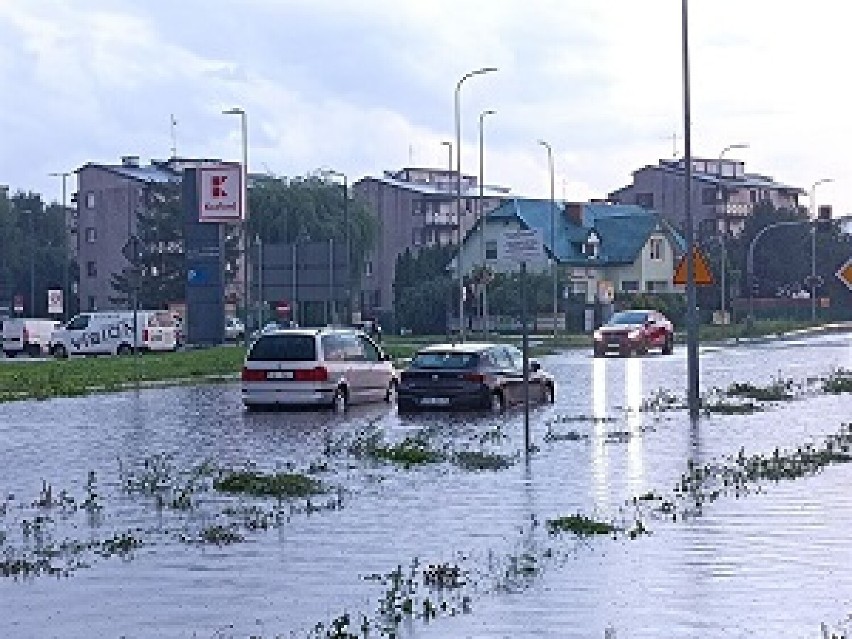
366,86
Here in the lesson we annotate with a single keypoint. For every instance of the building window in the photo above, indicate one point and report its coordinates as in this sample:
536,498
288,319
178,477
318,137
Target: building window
657,286
491,250
645,200
368,268
655,247
753,196
630,286
708,195
91,234
90,200
91,269
92,305
417,237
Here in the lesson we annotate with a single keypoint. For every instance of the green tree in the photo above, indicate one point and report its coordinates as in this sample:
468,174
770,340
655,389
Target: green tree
33,250
282,210
423,290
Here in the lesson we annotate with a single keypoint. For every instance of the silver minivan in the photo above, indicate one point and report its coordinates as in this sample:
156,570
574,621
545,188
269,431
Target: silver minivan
330,367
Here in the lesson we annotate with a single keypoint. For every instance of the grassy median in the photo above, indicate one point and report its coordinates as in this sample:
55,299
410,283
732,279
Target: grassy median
83,375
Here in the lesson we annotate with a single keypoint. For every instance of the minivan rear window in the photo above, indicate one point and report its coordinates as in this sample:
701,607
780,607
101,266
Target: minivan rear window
445,360
287,348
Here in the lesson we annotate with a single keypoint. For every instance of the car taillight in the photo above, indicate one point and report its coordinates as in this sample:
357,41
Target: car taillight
145,335
253,375
318,374
477,378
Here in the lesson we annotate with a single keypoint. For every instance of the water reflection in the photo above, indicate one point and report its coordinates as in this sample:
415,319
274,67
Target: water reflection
600,416
633,376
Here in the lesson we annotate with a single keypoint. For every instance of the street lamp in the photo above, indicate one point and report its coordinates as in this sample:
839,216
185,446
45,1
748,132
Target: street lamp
552,234
813,216
459,271
347,239
65,301
724,257
244,199
483,307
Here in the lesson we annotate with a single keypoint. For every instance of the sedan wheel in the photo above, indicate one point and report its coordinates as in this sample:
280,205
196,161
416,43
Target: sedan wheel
548,394
668,346
59,352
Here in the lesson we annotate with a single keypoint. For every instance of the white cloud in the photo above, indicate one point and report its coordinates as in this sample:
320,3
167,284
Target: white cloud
354,85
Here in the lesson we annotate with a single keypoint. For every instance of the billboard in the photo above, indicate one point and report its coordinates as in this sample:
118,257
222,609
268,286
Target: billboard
220,193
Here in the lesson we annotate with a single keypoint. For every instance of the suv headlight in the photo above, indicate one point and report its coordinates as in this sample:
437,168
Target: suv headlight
598,336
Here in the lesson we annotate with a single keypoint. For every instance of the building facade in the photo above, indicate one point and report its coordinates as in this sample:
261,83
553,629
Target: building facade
600,248
723,194
415,207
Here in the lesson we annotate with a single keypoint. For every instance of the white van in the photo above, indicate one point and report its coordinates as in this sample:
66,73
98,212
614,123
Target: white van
27,335
111,333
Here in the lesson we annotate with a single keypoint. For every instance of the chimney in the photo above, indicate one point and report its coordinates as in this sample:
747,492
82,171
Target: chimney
130,160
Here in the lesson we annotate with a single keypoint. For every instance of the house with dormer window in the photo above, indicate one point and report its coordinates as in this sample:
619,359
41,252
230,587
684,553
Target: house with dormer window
600,248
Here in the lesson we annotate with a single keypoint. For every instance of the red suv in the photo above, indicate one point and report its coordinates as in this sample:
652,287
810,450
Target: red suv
635,331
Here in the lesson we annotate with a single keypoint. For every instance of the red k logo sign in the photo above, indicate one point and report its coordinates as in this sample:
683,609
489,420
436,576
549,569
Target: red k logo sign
217,186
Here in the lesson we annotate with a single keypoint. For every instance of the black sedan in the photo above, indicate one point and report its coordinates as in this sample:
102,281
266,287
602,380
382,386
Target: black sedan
474,376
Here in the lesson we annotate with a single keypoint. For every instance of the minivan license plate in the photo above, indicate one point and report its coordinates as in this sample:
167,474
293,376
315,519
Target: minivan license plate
435,401
279,375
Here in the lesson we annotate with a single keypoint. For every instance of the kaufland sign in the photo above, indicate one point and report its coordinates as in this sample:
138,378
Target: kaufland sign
219,193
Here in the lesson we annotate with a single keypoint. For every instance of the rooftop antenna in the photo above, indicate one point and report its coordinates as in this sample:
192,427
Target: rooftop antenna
674,138
174,135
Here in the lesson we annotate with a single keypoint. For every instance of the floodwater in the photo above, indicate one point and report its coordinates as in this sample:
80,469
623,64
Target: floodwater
770,563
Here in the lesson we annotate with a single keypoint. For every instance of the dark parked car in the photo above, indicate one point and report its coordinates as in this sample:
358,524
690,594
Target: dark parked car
635,331
478,376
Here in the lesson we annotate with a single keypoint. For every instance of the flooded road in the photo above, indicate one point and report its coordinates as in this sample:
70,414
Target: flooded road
129,548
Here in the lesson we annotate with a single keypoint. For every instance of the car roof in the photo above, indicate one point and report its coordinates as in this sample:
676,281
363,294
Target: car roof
466,347
311,332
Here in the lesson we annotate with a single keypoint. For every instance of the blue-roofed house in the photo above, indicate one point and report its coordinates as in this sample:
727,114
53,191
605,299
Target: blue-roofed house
723,195
601,248
108,197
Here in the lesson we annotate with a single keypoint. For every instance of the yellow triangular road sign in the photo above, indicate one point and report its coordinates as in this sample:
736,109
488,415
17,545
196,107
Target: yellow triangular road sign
701,269
845,273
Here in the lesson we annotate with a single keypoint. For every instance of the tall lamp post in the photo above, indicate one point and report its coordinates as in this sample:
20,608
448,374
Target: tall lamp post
723,196
814,284
483,307
65,244
691,316
553,267
459,270
347,240
244,199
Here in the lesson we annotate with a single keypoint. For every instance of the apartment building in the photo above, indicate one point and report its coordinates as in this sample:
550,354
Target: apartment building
723,193
415,207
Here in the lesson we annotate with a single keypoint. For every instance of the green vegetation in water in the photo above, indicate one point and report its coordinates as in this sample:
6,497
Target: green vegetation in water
407,453
475,460
840,381
779,390
579,525
728,408
280,485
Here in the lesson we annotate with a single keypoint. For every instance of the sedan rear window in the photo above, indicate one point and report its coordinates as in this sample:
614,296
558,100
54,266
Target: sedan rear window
629,317
445,360
287,348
